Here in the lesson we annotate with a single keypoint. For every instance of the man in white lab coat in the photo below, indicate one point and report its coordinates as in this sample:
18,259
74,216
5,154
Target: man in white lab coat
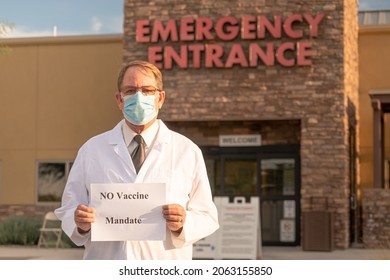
171,158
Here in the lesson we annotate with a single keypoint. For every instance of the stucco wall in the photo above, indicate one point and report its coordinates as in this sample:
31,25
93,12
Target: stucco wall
53,93
374,58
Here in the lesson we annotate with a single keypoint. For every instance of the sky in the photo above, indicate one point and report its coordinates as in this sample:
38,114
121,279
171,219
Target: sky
39,18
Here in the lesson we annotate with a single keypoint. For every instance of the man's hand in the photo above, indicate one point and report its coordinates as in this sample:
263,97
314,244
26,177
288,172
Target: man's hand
83,217
175,215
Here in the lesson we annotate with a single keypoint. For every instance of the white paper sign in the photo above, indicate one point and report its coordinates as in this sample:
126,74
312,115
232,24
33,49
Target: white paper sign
128,212
205,248
287,230
289,209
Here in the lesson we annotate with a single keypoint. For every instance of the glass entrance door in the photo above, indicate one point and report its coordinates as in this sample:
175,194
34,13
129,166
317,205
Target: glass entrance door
268,172
279,200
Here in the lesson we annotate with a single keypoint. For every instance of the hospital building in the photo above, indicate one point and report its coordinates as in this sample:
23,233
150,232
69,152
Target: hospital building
286,99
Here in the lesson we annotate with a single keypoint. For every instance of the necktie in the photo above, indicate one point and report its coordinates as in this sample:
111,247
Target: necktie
138,154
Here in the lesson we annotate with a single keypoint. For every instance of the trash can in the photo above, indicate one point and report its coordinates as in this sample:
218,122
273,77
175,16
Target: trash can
317,229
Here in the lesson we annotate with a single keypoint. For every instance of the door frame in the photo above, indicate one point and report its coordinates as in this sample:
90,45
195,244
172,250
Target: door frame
259,153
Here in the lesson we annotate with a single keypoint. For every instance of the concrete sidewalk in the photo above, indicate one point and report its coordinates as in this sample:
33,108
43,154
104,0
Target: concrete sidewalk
35,253
296,253
268,253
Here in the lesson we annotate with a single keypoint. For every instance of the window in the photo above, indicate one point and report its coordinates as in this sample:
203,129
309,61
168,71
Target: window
277,176
51,180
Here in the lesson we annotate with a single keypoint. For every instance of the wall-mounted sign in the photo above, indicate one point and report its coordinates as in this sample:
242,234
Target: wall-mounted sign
199,42
289,209
287,230
248,140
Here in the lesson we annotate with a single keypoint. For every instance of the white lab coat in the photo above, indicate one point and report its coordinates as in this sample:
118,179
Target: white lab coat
173,160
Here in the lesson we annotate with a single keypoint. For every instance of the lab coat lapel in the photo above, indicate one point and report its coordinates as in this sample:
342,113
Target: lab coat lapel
119,147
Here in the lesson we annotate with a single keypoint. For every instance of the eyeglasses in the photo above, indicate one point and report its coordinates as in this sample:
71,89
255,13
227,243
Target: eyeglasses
147,90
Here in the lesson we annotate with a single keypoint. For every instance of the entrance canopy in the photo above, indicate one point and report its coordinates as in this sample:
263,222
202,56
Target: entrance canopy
380,101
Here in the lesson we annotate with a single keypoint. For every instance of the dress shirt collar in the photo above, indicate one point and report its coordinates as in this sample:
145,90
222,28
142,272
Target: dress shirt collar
149,134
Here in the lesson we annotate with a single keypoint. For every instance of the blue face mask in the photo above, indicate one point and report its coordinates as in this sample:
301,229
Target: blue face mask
139,109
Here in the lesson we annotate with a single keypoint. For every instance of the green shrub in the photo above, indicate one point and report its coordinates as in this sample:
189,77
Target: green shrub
19,230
